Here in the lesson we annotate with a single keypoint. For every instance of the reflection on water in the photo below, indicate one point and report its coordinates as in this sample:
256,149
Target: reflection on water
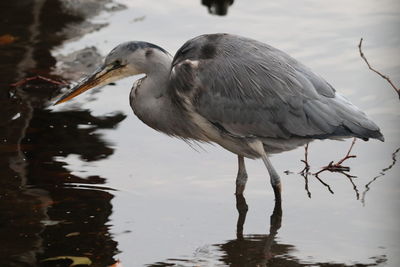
305,173
255,249
46,209
217,7
382,173
43,211
252,249
49,215
317,176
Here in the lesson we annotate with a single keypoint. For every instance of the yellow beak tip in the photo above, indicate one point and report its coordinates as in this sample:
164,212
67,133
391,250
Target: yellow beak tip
57,102
99,77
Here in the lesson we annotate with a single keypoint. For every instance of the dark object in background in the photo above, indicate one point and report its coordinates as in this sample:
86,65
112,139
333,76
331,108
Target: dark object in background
217,7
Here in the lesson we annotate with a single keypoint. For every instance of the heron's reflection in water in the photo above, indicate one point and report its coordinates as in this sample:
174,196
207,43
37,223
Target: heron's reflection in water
256,249
265,250
253,249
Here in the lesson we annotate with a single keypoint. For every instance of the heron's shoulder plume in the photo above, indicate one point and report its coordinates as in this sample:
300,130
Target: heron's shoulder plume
203,47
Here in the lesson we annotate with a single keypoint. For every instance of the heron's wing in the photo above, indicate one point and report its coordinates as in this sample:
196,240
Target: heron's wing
251,89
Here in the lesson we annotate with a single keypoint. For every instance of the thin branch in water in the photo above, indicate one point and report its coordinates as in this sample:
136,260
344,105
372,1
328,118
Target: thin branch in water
351,177
348,156
374,70
305,176
322,182
37,77
305,161
338,167
393,160
382,173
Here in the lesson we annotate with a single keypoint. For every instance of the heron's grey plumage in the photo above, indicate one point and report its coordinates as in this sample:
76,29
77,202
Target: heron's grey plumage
244,95
251,89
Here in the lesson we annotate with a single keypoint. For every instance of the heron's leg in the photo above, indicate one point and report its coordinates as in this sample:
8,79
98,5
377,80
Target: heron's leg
241,178
274,178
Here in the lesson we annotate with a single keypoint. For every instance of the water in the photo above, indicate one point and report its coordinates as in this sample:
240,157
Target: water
88,179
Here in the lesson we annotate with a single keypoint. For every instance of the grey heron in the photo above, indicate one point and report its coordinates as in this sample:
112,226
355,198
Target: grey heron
250,98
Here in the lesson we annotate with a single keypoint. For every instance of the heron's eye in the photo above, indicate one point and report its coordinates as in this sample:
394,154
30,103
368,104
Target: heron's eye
117,62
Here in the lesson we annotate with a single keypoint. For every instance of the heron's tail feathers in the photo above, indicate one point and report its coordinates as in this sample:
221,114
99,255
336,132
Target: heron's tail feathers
354,121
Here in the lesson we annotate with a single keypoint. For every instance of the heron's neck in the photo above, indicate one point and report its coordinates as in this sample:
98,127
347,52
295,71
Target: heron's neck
150,100
157,72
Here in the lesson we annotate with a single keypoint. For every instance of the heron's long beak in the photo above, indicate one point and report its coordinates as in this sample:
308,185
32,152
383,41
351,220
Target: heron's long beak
102,76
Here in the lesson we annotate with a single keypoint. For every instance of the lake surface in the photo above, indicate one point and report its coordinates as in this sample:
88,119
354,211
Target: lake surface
88,179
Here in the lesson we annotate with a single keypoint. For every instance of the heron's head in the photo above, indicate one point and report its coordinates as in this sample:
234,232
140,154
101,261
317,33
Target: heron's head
127,59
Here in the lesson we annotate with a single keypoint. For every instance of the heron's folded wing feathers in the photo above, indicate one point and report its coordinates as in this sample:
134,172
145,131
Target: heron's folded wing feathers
252,89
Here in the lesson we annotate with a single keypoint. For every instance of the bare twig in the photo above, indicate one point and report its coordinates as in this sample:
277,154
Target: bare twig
305,176
322,182
382,173
351,177
348,156
316,175
338,167
374,70
348,176
305,161
37,77
354,187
